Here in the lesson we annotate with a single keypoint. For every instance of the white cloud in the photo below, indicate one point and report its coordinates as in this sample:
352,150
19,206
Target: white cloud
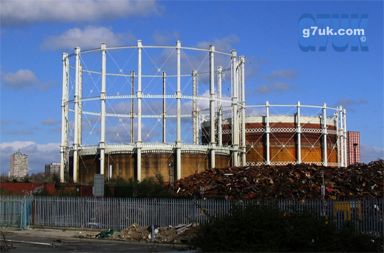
38,154
371,153
19,79
24,12
350,103
23,78
89,37
272,87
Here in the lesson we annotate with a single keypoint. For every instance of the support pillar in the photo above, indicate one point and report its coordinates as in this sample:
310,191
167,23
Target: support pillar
267,132
195,123
103,104
76,123
132,111
345,138
212,104
178,108
298,133
139,98
219,106
80,115
325,133
243,134
64,118
234,121
336,120
164,108
341,131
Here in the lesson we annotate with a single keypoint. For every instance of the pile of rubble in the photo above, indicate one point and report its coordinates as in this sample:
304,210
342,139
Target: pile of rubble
182,233
289,182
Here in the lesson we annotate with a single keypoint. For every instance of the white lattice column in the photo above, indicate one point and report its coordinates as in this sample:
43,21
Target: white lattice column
103,106
341,138
139,100
336,122
325,134
219,106
64,117
243,134
267,132
298,133
132,109
212,105
195,124
234,121
345,138
80,115
164,108
76,118
178,109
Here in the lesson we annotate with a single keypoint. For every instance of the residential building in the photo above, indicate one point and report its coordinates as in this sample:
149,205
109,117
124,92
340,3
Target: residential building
18,165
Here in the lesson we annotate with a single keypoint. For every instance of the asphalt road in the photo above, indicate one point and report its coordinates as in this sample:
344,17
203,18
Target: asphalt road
26,243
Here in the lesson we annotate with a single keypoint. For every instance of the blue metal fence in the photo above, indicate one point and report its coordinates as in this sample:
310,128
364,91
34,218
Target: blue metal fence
15,211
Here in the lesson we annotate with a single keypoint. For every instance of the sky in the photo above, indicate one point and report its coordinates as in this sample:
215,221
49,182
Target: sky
345,71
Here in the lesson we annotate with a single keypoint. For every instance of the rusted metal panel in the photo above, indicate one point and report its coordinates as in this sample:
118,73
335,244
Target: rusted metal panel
157,164
192,163
88,167
222,161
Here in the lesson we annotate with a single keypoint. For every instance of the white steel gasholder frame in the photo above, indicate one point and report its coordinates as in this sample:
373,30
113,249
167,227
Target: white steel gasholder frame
213,116
137,146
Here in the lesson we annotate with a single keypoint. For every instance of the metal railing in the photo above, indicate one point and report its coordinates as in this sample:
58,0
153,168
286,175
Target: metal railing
118,213
15,211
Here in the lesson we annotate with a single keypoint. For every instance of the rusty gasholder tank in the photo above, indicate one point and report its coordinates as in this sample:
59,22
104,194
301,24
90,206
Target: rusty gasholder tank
291,138
139,111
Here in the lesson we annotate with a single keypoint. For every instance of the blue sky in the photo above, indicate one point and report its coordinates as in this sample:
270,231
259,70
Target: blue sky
35,33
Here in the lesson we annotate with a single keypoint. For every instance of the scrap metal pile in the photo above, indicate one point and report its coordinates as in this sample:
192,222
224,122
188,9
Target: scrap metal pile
289,182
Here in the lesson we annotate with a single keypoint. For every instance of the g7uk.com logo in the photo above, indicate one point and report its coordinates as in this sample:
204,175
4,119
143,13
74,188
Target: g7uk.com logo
333,31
